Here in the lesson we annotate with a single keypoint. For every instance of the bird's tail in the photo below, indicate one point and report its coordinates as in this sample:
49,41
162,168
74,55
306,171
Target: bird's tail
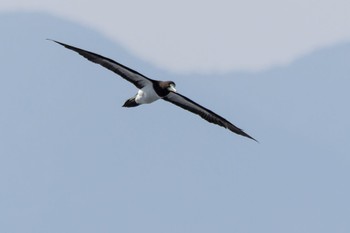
130,103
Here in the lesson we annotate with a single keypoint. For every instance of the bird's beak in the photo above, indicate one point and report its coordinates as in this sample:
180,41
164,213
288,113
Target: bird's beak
172,88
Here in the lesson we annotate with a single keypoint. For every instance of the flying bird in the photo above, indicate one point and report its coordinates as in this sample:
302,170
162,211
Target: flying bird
151,90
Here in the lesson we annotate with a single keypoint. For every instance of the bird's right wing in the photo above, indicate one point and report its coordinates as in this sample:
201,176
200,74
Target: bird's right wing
206,114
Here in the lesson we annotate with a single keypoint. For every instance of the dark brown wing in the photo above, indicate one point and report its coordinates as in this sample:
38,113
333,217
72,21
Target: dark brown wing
205,113
130,75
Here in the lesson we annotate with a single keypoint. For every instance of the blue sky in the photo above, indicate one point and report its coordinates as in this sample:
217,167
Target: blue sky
73,160
204,36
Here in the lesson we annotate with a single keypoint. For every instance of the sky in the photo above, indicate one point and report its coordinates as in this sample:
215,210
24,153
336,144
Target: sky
73,160
208,36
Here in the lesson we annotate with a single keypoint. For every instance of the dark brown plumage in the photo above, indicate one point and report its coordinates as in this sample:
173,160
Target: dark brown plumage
151,90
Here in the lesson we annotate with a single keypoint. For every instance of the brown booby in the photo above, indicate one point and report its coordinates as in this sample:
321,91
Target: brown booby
151,90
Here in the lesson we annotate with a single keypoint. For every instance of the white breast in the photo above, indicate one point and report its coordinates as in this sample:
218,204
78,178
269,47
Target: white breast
146,95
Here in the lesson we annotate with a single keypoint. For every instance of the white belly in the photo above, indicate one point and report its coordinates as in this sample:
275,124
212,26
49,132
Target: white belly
146,95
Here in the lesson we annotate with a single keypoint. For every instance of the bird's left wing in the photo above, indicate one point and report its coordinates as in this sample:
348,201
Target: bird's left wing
186,103
130,75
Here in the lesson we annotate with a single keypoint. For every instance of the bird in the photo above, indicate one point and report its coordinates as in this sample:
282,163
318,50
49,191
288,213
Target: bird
150,90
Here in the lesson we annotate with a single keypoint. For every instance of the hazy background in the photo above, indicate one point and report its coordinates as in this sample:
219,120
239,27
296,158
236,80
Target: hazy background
202,36
73,160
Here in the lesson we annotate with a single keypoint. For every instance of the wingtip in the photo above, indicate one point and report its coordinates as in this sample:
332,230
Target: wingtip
51,40
254,140
248,136
57,42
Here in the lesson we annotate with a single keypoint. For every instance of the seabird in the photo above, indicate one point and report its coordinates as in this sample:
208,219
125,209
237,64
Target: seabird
151,90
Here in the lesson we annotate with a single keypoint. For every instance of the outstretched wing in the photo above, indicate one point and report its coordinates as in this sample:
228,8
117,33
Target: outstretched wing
130,75
205,113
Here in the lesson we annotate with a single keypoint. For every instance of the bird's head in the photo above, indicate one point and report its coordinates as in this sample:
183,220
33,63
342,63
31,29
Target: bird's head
171,86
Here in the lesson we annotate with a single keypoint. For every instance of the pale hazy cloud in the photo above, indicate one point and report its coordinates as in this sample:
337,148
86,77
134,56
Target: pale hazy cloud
193,35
